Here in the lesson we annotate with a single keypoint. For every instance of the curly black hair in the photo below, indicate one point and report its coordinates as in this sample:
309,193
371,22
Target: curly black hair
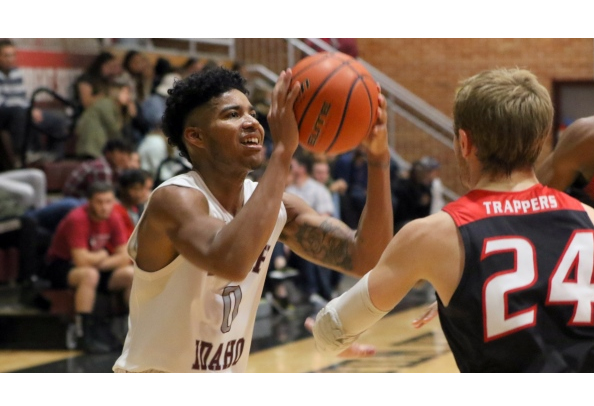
191,92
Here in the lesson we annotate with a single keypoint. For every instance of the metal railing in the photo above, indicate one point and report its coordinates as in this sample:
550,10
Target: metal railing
401,102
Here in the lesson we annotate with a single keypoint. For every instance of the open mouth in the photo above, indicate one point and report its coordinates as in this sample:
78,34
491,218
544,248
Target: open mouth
251,141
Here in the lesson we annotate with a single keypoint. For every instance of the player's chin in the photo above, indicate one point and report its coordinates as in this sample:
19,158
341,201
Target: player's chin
255,158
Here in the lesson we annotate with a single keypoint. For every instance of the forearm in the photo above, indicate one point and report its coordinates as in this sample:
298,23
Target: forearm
343,319
238,245
88,258
376,227
113,262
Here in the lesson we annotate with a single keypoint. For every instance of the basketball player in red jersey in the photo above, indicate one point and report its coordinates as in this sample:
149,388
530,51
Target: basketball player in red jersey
570,167
511,261
202,246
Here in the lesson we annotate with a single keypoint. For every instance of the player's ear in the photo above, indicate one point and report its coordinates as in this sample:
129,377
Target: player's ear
465,141
193,135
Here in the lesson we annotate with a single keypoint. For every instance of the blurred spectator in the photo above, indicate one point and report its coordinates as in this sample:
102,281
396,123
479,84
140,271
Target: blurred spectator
108,118
321,173
437,196
134,162
79,257
140,73
94,83
351,167
413,194
134,188
315,280
195,65
14,107
114,159
27,185
162,67
154,149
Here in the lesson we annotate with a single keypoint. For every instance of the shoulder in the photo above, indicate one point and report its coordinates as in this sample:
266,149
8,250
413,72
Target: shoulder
167,197
77,216
427,244
429,231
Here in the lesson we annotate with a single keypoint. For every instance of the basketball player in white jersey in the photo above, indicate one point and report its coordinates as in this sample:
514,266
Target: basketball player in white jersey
202,246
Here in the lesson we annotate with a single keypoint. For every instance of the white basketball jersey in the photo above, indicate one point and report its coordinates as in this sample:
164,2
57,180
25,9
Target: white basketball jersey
184,320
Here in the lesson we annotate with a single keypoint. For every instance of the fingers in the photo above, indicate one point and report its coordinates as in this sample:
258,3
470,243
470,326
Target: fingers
429,315
357,350
309,322
382,110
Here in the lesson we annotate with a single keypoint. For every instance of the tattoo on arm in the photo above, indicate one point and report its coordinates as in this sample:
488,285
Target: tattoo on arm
329,243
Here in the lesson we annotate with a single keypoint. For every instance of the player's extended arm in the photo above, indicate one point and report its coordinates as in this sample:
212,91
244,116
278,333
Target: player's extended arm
330,242
402,265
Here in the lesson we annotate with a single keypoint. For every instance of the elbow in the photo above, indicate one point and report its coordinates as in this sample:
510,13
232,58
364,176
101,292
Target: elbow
227,269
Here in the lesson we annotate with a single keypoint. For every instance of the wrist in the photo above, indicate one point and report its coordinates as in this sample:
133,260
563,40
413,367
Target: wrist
381,160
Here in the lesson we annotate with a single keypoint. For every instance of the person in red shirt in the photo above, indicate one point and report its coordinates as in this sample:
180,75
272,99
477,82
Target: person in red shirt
80,256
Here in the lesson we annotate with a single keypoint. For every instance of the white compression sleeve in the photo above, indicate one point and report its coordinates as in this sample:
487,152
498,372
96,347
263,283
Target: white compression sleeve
343,319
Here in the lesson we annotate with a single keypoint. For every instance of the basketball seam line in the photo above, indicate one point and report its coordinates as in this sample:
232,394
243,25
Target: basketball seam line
346,106
319,88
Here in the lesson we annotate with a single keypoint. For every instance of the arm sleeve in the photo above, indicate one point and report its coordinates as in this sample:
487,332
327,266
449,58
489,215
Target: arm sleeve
343,319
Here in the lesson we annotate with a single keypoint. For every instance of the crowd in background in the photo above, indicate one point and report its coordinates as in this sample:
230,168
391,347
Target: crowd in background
117,138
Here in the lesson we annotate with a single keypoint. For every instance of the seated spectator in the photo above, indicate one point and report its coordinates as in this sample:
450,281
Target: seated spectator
28,186
114,159
108,118
154,149
195,65
134,188
413,194
352,168
94,83
162,67
316,281
321,172
14,107
79,257
140,73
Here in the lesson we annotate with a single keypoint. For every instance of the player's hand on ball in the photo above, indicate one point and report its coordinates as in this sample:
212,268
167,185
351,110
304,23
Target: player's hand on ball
376,143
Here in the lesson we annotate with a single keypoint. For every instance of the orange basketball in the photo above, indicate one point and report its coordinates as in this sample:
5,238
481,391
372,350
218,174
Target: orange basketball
337,106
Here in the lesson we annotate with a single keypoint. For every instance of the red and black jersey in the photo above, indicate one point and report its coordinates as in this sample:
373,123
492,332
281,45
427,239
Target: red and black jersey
525,301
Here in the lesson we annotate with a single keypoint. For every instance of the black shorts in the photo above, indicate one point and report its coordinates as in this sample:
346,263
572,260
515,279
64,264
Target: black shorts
57,273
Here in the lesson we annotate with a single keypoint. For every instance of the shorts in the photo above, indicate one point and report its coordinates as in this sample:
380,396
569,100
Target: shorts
57,273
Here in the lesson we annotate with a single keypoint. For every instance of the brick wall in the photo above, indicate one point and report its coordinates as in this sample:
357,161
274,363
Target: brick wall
432,68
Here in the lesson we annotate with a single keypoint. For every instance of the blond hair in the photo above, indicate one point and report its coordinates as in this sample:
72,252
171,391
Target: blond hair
507,114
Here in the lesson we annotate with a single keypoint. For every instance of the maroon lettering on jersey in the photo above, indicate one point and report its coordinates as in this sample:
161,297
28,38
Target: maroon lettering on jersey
239,349
196,364
205,350
214,365
261,259
231,355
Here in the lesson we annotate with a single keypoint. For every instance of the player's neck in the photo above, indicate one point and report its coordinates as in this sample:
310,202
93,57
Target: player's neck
517,181
228,190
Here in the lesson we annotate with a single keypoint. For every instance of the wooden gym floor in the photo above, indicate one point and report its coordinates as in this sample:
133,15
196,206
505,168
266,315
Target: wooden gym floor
282,345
